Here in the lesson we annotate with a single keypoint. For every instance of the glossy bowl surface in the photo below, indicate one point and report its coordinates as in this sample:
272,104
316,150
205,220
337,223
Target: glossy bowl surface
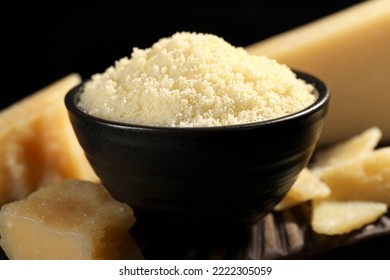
201,179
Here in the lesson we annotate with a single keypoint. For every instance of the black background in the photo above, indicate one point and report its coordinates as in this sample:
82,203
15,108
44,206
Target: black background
43,42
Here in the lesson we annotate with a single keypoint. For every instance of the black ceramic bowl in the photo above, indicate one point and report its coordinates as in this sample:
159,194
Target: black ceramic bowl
201,179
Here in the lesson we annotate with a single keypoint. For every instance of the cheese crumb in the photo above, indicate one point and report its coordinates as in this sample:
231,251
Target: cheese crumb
194,80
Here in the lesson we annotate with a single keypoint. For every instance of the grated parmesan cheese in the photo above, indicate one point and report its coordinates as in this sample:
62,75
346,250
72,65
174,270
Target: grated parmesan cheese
194,80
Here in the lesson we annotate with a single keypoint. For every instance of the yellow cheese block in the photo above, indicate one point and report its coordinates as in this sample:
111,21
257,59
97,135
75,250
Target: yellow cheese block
72,219
349,149
339,217
367,178
308,186
349,51
37,143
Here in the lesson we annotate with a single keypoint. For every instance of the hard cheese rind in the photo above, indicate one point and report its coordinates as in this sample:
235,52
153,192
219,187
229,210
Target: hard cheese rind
72,219
37,143
349,51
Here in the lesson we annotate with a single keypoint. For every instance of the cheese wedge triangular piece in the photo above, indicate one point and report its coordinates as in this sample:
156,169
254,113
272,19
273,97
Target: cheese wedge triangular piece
308,186
37,143
349,149
338,217
365,178
349,51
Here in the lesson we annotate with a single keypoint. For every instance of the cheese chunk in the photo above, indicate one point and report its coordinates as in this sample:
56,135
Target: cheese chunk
37,143
349,149
308,186
349,51
365,178
73,219
340,217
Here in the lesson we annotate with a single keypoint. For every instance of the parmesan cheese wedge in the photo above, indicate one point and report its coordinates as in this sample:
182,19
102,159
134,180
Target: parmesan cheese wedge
308,186
349,149
70,220
339,217
366,178
349,51
37,143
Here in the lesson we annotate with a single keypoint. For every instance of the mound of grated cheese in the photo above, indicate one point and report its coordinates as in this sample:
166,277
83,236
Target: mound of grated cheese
194,80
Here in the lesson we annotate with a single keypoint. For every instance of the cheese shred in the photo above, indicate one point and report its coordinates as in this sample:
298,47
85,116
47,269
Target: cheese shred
194,80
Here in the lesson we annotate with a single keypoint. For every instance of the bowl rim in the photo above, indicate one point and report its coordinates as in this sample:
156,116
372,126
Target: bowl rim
321,90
